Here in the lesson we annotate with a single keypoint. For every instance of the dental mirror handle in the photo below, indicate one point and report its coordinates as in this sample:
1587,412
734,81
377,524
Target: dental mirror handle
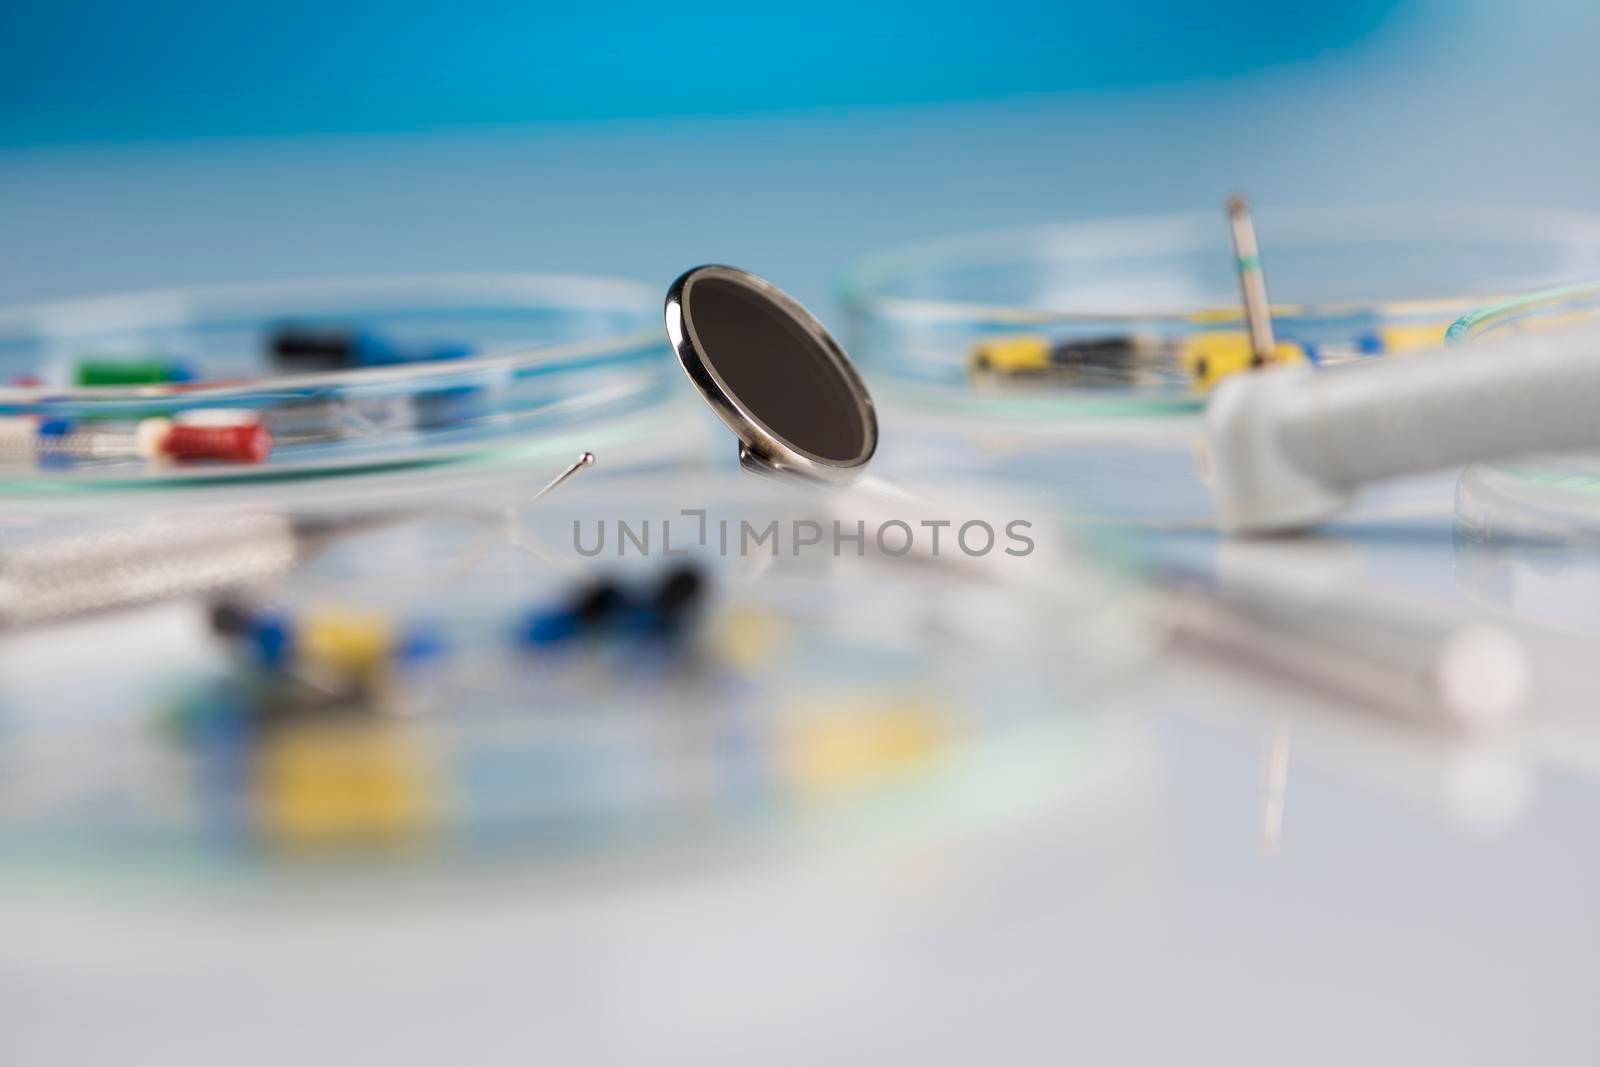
1290,447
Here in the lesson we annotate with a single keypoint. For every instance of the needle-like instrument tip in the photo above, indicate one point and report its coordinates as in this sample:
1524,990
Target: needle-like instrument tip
585,459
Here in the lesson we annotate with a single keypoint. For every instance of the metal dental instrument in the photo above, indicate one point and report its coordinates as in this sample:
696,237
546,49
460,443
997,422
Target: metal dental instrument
777,378
168,558
772,373
584,460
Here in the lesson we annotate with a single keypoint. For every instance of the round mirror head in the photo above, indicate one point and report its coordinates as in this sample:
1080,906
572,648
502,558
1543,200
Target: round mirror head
771,372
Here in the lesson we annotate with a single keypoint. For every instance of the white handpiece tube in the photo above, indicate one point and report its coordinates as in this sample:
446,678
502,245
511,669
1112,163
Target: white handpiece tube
1290,447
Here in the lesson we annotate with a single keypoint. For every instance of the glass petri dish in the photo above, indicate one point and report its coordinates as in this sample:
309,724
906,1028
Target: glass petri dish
823,692
1139,316
1560,306
468,368
1526,529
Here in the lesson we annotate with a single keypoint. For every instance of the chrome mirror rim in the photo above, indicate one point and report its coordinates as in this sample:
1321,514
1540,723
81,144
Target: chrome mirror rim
759,445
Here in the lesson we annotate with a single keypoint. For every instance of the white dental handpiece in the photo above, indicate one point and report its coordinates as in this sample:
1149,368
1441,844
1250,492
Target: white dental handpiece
1290,447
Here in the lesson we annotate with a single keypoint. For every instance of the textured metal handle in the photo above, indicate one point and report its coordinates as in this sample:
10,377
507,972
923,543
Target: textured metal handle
150,561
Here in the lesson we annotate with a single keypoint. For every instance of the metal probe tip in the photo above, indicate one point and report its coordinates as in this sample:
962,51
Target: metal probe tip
585,459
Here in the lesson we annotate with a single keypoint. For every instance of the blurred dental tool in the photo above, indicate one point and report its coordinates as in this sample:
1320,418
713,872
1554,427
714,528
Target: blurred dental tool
1290,447
1395,655
164,558
1478,783
88,573
1252,282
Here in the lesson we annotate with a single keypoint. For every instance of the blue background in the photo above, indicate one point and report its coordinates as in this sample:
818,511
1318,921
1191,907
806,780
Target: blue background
145,145
75,70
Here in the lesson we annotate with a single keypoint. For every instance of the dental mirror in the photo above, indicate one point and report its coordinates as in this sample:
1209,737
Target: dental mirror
772,373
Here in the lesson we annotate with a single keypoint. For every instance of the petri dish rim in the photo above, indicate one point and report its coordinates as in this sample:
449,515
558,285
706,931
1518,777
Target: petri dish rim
860,287
1502,313
97,315
1166,277
629,355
